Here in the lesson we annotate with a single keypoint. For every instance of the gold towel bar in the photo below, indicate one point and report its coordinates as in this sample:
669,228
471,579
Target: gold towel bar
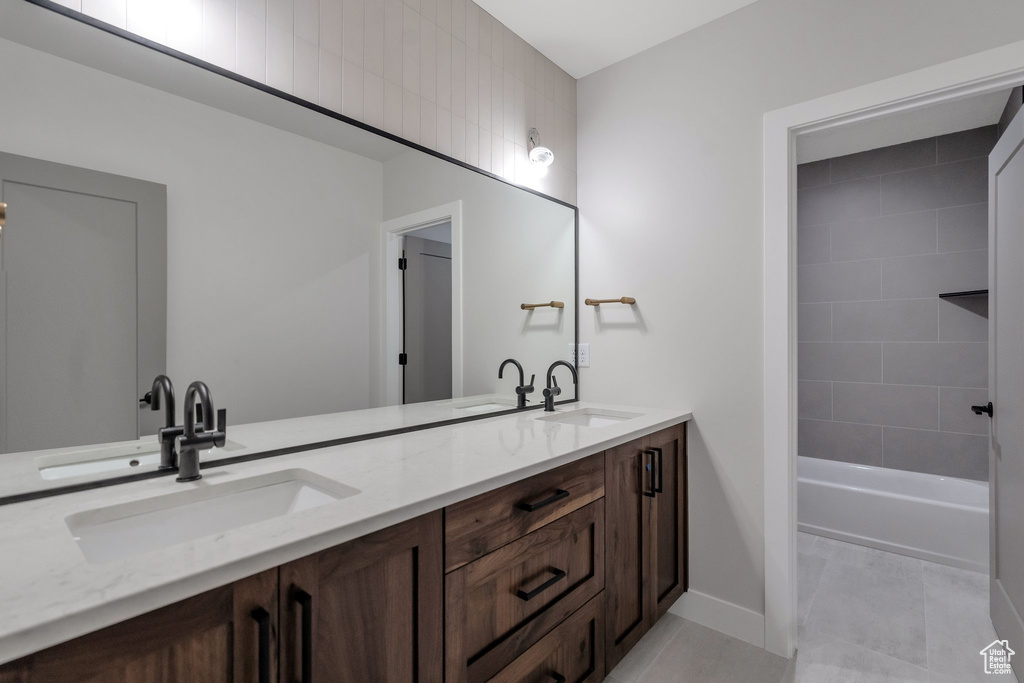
552,304
624,300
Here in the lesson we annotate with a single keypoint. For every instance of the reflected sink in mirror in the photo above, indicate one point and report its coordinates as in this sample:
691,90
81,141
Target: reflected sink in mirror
590,417
129,458
486,405
120,531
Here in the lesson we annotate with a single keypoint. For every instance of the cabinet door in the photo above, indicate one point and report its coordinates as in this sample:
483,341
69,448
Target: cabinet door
369,610
226,635
627,552
668,519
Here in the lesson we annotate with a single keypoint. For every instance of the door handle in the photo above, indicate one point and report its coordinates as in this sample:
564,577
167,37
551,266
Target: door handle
305,601
983,410
262,619
660,480
649,474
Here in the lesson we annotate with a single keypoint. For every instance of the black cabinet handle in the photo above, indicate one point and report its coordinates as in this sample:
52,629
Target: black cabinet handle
305,601
262,619
557,678
648,473
983,410
660,479
530,507
558,575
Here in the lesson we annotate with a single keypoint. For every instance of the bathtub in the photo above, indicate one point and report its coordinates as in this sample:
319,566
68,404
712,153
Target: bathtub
940,519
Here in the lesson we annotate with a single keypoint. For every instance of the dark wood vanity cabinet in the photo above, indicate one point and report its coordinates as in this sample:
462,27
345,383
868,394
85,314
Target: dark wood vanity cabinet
551,578
369,610
221,636
646,530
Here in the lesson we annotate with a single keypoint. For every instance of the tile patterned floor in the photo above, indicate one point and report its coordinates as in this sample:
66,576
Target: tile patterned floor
866,616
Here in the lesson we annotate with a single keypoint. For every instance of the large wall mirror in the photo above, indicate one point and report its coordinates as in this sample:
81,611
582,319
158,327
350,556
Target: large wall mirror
326,281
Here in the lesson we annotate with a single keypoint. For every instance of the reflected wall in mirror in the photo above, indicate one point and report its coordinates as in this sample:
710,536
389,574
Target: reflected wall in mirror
163,219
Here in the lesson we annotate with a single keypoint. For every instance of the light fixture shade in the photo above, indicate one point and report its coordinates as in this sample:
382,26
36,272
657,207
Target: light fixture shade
541,156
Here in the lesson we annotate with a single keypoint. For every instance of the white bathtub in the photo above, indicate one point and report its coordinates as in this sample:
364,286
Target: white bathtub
940,519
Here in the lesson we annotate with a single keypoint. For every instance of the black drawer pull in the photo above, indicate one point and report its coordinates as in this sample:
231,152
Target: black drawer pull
557,678
305,601
262,618
530,507
530,595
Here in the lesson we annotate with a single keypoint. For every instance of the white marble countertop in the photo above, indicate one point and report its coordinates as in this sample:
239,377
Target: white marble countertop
50,593
20,472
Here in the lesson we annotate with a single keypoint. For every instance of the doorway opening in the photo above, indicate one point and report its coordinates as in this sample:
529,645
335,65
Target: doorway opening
893,327
880,104
423,305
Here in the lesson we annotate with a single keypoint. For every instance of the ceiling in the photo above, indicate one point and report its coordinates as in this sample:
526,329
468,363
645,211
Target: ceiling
583,36
916,124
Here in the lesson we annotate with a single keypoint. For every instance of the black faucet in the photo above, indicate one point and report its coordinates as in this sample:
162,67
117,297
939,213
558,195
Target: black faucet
553,389
163,393
523,389
190,443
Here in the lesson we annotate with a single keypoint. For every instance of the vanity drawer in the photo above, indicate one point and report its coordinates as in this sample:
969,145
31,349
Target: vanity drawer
477,526
502,603
573,652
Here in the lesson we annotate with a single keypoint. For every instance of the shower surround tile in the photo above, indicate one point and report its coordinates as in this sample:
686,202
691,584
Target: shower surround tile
880,235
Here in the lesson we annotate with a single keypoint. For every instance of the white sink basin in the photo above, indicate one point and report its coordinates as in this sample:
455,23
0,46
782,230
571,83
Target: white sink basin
119,531
486,408
131,457
590,417
483,405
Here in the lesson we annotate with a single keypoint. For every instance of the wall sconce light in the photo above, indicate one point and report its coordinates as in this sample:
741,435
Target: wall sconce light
539,156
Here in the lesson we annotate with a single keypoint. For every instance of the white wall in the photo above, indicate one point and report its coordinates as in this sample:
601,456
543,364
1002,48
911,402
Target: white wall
516,248
269,234
441,73
677,223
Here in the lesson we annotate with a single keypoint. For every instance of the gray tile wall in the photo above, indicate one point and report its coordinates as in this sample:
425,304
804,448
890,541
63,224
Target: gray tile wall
888,371
441,73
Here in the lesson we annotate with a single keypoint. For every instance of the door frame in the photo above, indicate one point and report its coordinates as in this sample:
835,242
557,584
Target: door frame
977,74
391,233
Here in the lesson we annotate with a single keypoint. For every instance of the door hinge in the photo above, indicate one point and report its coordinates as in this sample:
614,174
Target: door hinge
403,359
403,263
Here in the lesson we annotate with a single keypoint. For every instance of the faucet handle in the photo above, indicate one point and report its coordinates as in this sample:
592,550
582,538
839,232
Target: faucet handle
527,388
221,435
147,400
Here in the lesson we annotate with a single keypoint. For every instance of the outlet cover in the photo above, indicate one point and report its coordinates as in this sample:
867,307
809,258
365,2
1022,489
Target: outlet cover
584,354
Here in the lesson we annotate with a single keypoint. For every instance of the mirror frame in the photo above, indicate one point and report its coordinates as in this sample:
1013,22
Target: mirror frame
292,99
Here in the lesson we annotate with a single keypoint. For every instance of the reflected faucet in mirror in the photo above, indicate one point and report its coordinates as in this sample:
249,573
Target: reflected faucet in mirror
191,442
162,394
523,389
552,389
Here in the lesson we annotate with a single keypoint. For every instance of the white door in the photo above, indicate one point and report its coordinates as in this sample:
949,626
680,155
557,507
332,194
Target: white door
1006,379
76,261
427,308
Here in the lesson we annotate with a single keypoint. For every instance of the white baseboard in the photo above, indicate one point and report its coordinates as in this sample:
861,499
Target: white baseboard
725,617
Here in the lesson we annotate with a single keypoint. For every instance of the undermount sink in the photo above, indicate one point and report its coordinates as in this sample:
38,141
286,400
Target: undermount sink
119,531
590,417
131,457
483,405
486,408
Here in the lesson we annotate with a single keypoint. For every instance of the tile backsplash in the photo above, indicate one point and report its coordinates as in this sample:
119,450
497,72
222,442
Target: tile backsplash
888,370
442,73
